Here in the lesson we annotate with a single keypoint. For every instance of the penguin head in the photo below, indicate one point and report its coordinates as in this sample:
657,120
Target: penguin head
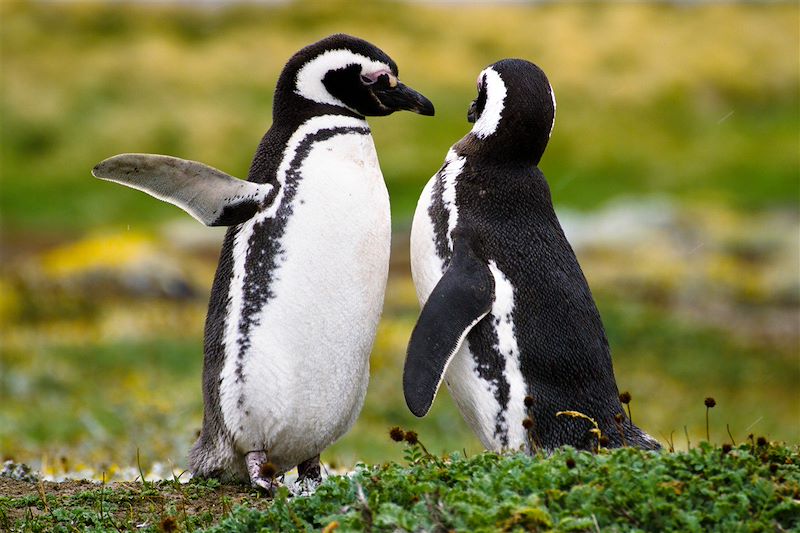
350,73
514,112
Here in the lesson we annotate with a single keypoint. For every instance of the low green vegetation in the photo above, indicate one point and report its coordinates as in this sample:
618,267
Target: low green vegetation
134,506
706,489
754,486
695,102
74,402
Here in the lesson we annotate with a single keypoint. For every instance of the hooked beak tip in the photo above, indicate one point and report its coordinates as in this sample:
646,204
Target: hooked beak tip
425,108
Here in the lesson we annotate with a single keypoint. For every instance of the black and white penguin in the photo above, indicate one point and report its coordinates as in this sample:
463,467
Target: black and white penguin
507,313
301,278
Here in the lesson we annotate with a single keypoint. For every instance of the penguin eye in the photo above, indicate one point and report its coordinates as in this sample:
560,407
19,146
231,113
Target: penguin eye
382,78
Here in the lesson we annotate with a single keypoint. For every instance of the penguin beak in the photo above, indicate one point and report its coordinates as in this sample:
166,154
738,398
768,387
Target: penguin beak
401,97
472,113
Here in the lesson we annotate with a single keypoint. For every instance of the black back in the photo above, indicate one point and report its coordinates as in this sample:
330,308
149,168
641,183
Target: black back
504,200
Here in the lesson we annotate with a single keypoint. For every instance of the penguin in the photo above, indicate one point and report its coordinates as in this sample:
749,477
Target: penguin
299,288
508,320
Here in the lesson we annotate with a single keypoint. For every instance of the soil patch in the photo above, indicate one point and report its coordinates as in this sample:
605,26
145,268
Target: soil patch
123,506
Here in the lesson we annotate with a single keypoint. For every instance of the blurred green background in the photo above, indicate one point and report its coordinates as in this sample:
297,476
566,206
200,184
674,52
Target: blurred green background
674,165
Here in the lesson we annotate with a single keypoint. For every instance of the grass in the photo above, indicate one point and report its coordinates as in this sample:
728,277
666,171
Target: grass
705,489
693,102
754,486
133,506
73,401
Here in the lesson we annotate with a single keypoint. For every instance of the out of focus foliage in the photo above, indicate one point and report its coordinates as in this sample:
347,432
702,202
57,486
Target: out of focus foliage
673,164
698,102
104,357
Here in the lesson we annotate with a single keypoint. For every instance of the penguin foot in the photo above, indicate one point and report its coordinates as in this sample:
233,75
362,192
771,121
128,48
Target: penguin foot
262,472
309,469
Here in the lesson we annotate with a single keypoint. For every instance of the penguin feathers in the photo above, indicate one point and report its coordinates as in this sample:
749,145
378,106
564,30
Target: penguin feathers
209,195
299,287
344,73
460,300
514,113
533,344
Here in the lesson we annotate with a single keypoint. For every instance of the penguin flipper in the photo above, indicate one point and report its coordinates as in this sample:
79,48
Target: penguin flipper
209,195
463,296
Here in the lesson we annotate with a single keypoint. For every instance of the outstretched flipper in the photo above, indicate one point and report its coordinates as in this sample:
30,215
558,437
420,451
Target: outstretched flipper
463,296
209,195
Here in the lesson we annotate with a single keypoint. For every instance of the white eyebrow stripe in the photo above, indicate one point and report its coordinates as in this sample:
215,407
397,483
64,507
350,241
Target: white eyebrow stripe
493,110
308,82
553,96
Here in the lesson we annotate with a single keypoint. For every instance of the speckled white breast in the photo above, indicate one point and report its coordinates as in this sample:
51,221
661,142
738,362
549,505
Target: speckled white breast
307,367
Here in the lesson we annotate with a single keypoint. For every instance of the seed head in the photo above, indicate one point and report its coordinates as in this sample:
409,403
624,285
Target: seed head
169,524
710,402
267,470
528,401
411,437
570,463
761,441
726,448
527,423
396,434
625,397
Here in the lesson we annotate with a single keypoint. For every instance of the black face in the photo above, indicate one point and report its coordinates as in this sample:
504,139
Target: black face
477,105
342,70
518,96
374,93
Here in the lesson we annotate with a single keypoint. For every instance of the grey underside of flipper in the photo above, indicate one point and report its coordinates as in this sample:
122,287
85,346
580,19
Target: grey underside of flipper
209,195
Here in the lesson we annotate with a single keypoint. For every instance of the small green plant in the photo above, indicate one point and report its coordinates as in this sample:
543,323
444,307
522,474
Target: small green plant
625,399
709,403
529,423
705,489
415,451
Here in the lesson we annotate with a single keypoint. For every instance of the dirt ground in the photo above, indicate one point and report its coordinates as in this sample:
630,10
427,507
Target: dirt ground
159,506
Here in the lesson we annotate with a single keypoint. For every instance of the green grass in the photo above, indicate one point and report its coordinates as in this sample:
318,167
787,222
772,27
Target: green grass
97,405
692,102
135,506
68,395
754,486
747,489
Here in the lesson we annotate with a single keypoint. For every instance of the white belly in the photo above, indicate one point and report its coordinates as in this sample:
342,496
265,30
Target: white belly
474,396
307,367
